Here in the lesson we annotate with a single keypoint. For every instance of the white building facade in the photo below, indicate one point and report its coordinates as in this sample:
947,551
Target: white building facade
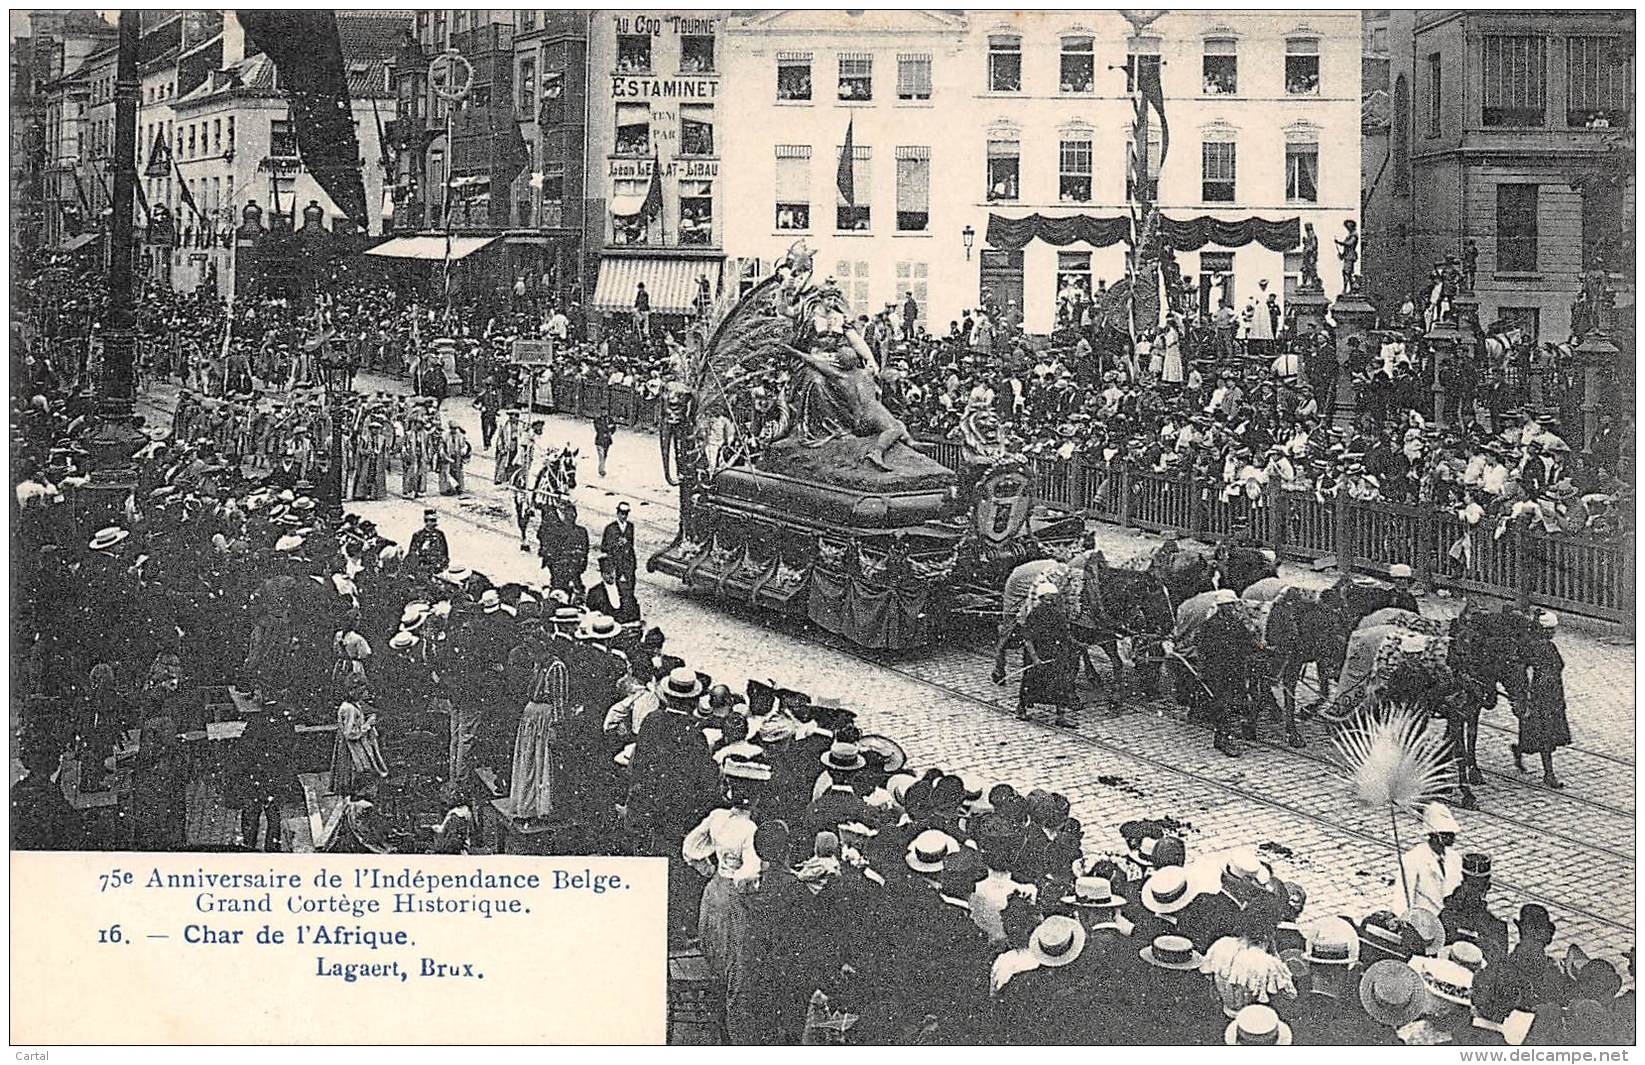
1263,113
795,82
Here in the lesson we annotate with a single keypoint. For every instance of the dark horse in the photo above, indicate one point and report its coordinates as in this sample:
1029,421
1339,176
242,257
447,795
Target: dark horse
1132,603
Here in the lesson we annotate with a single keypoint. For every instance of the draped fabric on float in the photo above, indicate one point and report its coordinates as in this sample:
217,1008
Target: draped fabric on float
1189,234
308,54
892,617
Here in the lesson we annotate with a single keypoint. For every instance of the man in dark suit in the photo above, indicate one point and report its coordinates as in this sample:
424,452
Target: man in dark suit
570,557
610,597
428,550
1467,915
617,544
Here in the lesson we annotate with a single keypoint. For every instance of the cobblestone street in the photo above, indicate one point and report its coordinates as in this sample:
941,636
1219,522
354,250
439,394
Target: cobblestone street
1573,851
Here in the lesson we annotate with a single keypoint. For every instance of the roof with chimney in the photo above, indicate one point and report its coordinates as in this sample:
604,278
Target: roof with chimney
369,43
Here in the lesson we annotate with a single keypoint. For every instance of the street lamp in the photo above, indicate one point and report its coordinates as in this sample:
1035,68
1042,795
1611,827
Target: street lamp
334,371
969,237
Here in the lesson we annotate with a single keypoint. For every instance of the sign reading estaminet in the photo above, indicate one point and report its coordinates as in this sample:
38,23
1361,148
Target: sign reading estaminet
337,948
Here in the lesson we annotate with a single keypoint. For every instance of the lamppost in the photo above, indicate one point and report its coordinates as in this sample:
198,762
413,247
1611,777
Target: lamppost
451,77
968,236
334,370
115,438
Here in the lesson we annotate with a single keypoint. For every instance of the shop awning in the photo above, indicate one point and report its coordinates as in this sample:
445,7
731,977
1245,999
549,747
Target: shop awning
671,283
429,247
76,243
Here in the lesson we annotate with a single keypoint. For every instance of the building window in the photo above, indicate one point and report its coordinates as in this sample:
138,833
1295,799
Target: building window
633,129
528,87
1004,64
1073,274
231,133
282,139
1074,172
1142,55
1156,158
1301,173
1004,169
217,136
1515,75
1525,319
696,129
526,20
856,77
1079,65
1435,81
696,212
793,187
697,53
552,112
1598,84
1516,220
853,216
633,53
794,75
553,183
1216,280
630,228
1293,273
191,148
853,279
913,77
1217,172
913,278
913,189
1221,66
1302,66
750,273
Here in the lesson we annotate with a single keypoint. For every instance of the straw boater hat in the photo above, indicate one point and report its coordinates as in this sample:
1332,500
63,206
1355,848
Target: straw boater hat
403,640
1057,941
1446,980
1171,952
1094,893
1257,1025
456,575
683,684
107,538
843,757
1332,941
492,603
929,850
1166,890
1392,993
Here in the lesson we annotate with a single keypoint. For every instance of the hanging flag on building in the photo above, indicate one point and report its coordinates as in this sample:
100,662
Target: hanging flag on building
159,164
308,55
847,177
1148,81
653,205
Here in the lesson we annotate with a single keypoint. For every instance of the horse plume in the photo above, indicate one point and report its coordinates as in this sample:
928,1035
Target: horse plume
1394,759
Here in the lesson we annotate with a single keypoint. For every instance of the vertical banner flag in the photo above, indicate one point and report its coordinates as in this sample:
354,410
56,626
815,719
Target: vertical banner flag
847,177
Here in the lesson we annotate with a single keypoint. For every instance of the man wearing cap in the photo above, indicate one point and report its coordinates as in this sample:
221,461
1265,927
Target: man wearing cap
1467,916
428,550
617,544
1433,868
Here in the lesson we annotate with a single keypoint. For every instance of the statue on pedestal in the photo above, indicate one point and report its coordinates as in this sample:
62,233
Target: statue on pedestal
1470,264
1348,255
1310,259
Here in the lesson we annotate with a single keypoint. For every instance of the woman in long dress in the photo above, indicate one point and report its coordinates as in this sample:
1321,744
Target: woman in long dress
357,757
531,783
1170,343
818,414
1543,726
721,848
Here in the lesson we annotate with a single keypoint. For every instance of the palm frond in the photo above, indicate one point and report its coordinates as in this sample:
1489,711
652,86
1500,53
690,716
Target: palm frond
1396,758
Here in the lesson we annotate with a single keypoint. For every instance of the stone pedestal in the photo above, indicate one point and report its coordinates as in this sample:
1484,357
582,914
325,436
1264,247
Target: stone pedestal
1442,341
1310,307
1355,318
1598,356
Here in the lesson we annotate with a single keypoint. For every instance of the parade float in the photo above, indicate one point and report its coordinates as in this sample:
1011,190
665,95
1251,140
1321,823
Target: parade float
800,492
